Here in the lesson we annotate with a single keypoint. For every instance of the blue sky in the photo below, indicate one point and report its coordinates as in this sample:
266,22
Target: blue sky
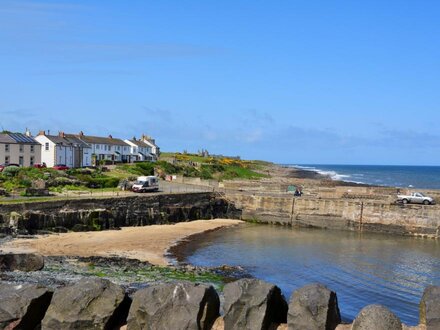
335,82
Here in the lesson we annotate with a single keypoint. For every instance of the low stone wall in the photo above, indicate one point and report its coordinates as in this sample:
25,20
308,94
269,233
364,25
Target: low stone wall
96,303
366,215
108,213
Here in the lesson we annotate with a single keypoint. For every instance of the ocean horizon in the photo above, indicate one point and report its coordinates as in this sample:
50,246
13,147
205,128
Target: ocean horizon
402,176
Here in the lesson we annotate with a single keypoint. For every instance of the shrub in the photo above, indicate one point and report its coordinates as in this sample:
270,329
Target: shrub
11,171
102,182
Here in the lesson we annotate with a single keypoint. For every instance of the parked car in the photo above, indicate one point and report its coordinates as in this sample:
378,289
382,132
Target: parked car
416,198
3,166
40,165
61,167
146,183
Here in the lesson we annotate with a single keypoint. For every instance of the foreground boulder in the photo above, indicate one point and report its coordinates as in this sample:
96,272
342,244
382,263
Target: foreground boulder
313,307
174,306
430,308
88,304
26,262
376,317
253,304
22,306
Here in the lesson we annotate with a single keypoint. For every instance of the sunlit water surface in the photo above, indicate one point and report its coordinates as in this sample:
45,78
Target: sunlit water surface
362,269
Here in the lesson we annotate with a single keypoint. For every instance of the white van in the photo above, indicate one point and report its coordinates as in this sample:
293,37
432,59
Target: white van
146,183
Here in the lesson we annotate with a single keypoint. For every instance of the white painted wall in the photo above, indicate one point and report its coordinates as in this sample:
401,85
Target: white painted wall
53,154
47,151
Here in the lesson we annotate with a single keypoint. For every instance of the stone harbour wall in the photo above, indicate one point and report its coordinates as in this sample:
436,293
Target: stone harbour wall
96,303
346,214
110,213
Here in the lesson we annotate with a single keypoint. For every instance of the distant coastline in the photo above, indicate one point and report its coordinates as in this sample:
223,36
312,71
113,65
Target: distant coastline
420,177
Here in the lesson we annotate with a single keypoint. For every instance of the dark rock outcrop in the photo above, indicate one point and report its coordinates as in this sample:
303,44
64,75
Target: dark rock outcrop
174,306
376,317
113,213
26,262
253,304
22,306
88,304
313,307
430,308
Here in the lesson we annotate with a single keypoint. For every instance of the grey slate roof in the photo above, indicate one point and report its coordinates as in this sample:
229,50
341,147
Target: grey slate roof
139,143
16,138
67,140
100,140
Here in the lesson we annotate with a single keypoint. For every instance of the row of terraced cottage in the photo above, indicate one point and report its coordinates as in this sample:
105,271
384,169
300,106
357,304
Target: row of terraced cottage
73,150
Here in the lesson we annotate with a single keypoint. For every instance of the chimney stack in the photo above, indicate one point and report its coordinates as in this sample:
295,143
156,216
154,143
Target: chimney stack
28,132
81,134
61,134
110,136
41,133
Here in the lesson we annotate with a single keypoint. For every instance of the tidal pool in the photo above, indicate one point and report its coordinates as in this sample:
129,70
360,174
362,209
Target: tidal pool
362,268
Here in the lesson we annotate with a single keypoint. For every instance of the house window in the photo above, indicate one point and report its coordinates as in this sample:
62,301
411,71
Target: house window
6,147
46,146
21,148
20,160
97,146
32,149
7,160
32,161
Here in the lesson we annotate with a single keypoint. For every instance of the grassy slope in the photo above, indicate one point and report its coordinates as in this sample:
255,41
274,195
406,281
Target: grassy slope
17,180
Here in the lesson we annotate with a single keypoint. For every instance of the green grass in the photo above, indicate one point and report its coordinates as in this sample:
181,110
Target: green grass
16,180
235,172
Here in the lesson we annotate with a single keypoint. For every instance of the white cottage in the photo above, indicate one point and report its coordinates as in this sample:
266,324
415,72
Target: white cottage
155,150
139,150
106,148
63,149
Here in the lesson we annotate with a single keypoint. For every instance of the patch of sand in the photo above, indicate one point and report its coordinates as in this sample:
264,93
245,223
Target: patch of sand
148,243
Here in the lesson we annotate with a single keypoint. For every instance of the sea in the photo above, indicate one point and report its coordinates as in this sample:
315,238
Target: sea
421,177
362,268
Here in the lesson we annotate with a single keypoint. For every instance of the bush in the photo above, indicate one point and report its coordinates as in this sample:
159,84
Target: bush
11,171
102,182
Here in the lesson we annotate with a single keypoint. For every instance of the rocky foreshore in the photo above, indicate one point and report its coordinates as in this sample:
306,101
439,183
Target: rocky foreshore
97,303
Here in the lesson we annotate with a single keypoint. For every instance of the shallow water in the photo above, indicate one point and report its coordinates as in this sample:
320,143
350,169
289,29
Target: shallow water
362,268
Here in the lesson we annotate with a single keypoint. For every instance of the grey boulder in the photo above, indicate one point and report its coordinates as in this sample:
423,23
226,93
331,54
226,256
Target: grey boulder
430,308
26,262
174,307
87,304
313,307
253,304
376,317
22,306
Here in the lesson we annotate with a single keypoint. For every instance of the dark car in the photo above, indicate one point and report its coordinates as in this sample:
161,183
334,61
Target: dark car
61,167
40,165
3,166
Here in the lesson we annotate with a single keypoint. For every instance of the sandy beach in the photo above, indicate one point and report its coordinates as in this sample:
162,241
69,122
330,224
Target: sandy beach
149,243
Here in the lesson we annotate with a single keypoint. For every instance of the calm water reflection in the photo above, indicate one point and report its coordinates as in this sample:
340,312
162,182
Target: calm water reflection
362,269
